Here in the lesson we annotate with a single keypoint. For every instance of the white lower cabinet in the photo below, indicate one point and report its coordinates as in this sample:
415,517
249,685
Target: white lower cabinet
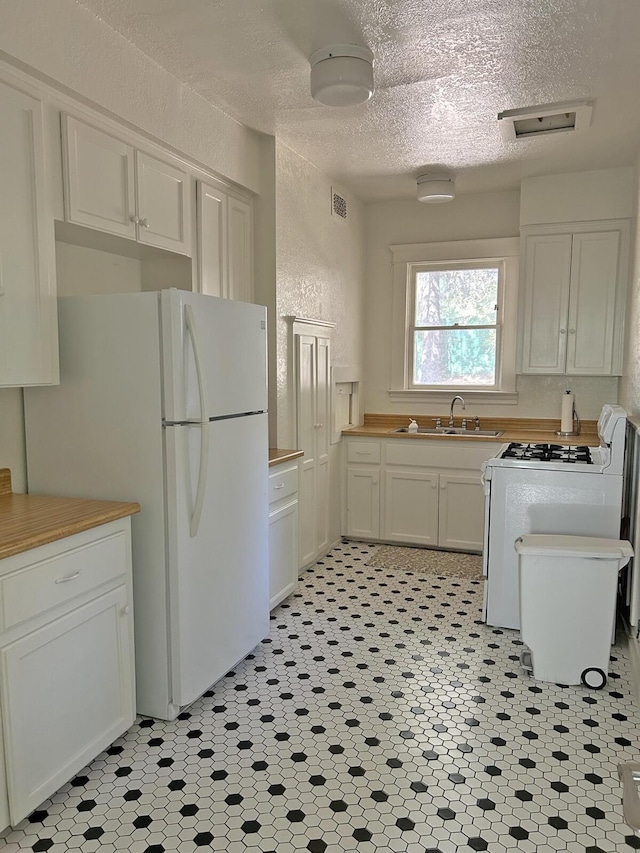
283,531
411,507
460,512
415,492
66,661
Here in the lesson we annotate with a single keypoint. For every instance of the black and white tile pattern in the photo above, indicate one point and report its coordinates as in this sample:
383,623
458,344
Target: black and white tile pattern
380,715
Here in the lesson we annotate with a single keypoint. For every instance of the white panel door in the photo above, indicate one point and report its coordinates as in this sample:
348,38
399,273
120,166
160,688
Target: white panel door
461,512
322,431
363,502
100,179
231,340
163,204
411,507
240,250
592,305
219,578
547,270
212,240
306,417
60,706
28,328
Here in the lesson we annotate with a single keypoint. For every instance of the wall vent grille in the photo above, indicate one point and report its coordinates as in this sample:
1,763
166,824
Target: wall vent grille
338,204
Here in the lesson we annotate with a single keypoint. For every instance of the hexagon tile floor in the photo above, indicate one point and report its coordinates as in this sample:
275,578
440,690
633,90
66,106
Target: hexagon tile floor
380,715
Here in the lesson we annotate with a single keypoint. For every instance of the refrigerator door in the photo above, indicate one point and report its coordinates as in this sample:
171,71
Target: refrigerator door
218,579
227,340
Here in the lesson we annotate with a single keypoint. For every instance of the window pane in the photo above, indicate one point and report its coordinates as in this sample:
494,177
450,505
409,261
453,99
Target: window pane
455,357
463,297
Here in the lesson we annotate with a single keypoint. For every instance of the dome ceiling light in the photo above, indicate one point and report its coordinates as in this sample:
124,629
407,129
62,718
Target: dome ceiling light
342,75
436,188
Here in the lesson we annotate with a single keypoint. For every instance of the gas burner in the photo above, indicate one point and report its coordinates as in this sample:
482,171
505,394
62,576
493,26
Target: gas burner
548,453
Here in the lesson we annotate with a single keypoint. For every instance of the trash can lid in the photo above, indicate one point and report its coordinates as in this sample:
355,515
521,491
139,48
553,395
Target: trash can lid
573,546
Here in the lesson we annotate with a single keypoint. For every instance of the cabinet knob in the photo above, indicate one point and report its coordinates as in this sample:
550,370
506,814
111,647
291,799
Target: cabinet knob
135,219
125,610
572,331
144,223
279,486
563,331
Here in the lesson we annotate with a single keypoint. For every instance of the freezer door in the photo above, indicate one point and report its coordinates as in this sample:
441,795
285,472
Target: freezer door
223,341
218,579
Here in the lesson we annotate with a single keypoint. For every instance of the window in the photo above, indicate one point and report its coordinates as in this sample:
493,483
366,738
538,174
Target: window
453,335
453,326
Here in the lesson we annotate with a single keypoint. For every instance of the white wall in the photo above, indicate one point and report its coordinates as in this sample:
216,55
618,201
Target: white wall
473,216
319,275
83,270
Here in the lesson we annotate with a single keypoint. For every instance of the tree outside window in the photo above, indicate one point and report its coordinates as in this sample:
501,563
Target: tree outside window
454,333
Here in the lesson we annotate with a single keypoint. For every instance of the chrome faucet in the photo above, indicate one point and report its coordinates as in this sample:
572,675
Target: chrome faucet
453,402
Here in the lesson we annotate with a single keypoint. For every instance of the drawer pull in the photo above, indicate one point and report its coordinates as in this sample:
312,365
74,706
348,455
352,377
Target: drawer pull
363,453
279,486
68,577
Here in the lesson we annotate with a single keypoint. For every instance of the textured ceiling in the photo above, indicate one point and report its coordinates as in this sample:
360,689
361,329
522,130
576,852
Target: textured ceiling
443,70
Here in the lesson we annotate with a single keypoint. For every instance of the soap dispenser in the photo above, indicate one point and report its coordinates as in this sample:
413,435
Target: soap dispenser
413,426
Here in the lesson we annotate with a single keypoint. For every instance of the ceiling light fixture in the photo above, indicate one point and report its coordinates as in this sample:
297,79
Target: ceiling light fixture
436,188
342,75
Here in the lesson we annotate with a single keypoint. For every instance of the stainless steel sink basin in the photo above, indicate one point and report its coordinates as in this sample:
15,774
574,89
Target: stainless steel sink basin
450,431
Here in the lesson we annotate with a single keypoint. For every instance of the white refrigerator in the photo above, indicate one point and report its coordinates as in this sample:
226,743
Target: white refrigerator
163,400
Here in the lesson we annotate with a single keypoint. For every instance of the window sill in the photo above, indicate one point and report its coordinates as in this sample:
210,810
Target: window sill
501,398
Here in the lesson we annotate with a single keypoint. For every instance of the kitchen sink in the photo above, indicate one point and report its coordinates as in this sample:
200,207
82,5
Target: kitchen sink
450,431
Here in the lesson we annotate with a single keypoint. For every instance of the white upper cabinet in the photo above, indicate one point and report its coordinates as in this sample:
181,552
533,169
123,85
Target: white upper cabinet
28,321
114,187
239,224
224,244
574,297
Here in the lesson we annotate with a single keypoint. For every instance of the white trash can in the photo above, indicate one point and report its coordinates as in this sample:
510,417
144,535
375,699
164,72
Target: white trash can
568,587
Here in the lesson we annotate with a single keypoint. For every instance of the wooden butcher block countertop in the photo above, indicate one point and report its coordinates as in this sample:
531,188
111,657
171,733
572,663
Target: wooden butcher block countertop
277,455
27,521
526,430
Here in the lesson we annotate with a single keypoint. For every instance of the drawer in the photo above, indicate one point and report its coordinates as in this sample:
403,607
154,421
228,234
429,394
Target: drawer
283,483
61,577
363,451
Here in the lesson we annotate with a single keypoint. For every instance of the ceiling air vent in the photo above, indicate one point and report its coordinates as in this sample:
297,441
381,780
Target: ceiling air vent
338,204
545,119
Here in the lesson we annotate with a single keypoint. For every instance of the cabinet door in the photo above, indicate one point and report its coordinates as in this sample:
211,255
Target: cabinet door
547,270
411,507
322,443
163,204
61,706
212,240
306,417
592,304
461,512
283,552
99,179
28,324
240,250
363,502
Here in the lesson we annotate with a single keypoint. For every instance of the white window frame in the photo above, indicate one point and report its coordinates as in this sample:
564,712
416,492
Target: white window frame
408,259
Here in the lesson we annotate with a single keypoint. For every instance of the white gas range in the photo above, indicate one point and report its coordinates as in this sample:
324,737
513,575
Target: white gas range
547,488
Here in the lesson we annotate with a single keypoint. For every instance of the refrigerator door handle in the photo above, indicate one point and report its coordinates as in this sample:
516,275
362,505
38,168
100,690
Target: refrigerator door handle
204,432
191,329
